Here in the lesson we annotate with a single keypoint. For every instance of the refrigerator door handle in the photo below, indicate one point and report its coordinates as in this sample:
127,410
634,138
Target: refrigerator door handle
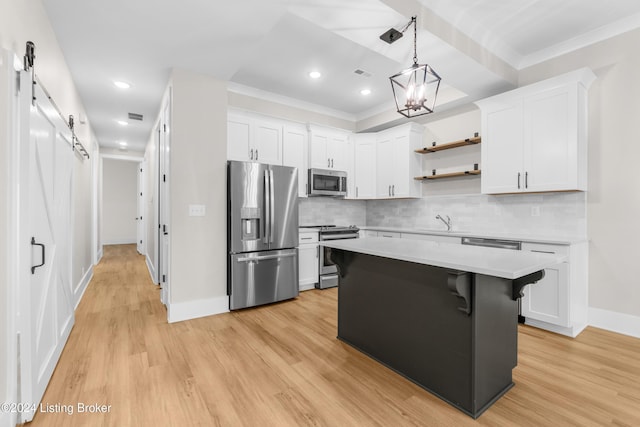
265,257
267,207
272,206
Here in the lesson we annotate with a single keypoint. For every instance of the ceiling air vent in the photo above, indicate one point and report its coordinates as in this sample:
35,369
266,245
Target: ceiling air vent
362,73
135,116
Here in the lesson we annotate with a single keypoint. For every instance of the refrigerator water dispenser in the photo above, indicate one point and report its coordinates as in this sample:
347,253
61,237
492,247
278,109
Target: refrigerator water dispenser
250,222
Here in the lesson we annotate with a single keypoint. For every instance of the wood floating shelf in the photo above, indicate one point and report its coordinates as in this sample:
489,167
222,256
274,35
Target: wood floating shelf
448,175
455,144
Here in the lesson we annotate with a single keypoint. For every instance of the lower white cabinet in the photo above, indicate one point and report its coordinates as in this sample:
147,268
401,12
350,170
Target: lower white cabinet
558,302
308,262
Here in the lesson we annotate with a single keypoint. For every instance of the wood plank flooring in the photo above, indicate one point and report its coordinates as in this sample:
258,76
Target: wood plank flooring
281,365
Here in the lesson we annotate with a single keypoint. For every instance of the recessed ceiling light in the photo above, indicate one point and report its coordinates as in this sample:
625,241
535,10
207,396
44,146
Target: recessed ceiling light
122,122
365,92
121,84
315,74
123,143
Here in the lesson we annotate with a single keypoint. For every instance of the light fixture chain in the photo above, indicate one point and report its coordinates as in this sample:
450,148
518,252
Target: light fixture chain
415,40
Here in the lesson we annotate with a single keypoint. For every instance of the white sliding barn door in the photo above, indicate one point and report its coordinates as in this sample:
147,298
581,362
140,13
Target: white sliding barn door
45,289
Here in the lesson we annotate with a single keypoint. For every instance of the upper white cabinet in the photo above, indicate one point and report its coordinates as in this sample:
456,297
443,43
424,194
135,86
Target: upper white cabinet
328,148
364,174
534,138
294,152
254,138
397,163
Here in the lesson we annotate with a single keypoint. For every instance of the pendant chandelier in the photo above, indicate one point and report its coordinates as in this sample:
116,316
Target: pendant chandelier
414,89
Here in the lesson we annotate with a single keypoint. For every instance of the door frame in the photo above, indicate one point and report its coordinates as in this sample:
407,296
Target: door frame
8,80
99,213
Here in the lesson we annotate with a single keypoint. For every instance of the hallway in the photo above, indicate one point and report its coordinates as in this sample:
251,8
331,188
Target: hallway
281,365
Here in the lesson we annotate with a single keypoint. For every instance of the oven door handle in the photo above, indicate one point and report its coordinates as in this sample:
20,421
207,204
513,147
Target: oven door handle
340,237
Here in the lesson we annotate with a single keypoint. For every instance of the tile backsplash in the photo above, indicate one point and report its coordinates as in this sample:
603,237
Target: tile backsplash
327,210
549,214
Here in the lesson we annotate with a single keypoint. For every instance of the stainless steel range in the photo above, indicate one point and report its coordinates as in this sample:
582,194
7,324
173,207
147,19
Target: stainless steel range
327,270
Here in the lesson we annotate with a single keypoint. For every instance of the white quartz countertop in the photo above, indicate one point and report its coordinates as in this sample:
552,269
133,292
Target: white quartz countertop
503,263
490,235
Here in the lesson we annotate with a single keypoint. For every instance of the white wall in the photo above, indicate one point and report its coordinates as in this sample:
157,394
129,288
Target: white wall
198,261
21,21
613,205
151,204
119,201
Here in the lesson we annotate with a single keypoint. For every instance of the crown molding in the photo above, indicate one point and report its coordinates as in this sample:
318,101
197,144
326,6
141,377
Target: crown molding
599,34
290,102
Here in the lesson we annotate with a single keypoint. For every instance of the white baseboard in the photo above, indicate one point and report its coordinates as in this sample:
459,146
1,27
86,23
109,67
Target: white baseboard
572,331
82,286
121,241
307,286
152,270
621,323
100,254
177,312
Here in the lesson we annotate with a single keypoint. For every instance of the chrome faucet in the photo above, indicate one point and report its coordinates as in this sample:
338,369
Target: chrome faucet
447,221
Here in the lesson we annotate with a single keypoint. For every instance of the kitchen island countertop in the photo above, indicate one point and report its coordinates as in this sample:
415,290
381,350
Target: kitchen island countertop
503,263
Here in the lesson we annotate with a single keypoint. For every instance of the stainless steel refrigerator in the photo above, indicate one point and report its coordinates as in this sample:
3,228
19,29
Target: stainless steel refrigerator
262,234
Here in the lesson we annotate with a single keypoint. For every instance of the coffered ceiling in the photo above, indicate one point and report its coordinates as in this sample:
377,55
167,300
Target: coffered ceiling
270,46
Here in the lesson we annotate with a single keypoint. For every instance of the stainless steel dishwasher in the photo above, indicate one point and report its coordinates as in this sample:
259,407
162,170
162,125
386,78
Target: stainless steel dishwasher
492,243
501,244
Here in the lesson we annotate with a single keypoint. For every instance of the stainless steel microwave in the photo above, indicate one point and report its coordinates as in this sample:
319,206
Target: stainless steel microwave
327,182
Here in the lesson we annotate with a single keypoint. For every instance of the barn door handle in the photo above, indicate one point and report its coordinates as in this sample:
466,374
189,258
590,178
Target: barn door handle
33,243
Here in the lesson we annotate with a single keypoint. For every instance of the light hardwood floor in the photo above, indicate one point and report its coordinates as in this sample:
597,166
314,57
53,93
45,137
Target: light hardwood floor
281,365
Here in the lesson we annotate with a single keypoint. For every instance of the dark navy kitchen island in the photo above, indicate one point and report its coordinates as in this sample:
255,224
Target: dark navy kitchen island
451,330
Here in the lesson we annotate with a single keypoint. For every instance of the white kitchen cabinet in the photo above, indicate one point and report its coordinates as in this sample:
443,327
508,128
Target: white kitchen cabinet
294,152
267,135
328,148
308,261
534,138
558,302
364,176
254,138
239,138
397,163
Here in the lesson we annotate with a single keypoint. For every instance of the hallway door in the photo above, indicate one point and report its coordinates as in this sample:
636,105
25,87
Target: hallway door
45,293
164,230
140,240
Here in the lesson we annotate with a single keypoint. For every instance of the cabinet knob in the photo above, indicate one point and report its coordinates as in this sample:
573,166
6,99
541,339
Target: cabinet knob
251,154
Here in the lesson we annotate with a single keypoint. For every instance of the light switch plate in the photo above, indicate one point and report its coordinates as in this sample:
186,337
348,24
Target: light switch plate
196,210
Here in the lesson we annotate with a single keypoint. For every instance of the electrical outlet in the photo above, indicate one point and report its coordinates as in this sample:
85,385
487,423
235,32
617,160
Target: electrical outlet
196,210
535,210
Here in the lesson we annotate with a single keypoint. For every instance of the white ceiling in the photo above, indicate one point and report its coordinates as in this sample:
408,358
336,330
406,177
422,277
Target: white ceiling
269,46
